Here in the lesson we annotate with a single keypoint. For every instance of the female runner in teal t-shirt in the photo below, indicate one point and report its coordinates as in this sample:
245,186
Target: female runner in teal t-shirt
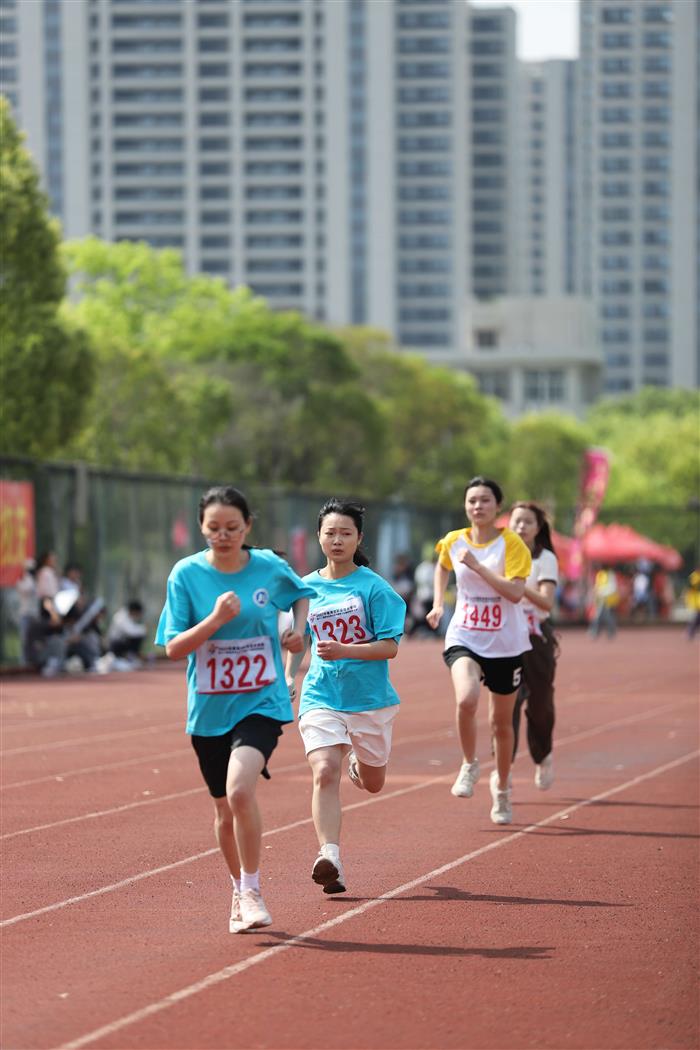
221,612
348,704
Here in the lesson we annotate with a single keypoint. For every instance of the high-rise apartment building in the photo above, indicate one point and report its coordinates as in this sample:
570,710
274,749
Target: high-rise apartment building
547,160
315,151
383,162
639,112
495,173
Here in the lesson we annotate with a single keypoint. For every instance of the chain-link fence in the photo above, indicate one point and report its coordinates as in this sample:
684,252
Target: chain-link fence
126,530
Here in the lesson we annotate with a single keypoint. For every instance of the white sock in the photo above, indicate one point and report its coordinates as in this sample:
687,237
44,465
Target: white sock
236,882
331,850
250,880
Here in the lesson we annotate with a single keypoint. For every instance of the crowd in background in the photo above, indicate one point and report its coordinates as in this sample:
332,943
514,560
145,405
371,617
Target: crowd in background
62,627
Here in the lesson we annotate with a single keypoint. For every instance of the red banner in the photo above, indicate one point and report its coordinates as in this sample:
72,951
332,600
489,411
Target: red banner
595,472
17,541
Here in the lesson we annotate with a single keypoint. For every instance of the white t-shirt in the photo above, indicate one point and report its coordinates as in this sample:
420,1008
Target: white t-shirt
483,620
544,568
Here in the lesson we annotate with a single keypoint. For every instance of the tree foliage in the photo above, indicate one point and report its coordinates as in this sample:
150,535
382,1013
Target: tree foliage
46,364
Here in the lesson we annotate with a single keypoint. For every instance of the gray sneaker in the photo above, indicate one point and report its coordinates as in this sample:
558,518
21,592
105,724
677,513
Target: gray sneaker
544,773
353,771
467,777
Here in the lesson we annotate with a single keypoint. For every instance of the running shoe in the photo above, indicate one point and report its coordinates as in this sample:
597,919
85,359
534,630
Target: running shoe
353,771
544,773
236,920
467,777
253,911
328,873
501,810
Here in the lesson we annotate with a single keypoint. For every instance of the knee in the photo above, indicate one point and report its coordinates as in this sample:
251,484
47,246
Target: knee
467,702
240,797
500,727
325,775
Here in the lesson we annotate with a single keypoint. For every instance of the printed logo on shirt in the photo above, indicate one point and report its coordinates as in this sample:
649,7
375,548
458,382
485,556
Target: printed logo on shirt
261,597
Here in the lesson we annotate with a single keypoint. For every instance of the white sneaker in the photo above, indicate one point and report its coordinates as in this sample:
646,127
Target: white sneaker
253,911
501,810
353,771
467,777
236,921
328,872
544,773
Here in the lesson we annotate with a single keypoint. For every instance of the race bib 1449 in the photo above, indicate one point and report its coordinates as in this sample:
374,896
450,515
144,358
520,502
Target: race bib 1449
483,614
344,622
236,665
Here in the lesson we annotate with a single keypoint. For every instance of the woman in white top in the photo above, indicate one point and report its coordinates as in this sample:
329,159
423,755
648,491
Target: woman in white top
487,634
536,693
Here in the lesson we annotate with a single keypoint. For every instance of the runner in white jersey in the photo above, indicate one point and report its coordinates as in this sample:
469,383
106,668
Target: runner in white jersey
487,634
536,693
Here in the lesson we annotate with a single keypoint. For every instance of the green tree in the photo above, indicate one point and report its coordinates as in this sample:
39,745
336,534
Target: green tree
544,455
440,429
199,378
46,364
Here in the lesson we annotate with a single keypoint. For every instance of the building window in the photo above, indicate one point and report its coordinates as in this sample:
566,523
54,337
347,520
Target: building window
545,385
495,384
486,338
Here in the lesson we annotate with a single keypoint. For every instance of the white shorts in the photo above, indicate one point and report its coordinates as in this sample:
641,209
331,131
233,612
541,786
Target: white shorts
368,733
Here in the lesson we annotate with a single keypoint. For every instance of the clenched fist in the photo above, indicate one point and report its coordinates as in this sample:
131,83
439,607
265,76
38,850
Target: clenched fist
228,605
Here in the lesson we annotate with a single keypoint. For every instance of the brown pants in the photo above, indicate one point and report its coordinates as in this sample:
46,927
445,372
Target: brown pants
536,694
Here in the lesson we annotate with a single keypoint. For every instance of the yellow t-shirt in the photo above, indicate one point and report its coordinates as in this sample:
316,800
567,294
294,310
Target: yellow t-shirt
484,621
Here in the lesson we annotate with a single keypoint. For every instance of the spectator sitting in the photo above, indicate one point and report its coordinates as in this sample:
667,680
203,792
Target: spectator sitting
80,618
46,647
124,639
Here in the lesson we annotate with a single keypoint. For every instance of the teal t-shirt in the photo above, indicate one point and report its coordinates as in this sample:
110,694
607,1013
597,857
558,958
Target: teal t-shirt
361,607
239,671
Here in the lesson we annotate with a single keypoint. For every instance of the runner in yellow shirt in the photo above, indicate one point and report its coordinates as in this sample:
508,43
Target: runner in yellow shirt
487,635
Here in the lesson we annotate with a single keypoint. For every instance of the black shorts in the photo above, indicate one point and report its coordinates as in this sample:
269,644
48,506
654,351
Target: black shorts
214,752
500,674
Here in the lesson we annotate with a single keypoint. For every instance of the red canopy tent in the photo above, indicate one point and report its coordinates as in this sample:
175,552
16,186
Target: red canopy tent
612,544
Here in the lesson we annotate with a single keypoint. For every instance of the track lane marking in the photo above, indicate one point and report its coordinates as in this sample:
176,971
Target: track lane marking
295,768
228,972
54,745
374,800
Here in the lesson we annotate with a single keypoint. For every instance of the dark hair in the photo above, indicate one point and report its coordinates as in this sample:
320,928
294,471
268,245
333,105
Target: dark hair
349,509
543,539
43,558
487,483
135,606
228,496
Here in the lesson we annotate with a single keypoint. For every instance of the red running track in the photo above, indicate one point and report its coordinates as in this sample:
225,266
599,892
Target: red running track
574,927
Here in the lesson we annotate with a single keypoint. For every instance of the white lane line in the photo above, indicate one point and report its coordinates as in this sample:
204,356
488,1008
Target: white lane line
53,777
199,856
220,976
55,744
30,723
375,800
95,814
596,730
